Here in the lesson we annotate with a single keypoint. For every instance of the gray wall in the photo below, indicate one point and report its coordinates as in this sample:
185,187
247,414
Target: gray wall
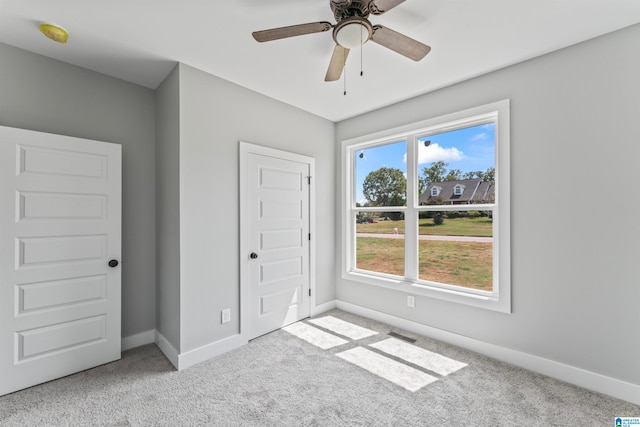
168,208
575,237
42,94
214,116
574,152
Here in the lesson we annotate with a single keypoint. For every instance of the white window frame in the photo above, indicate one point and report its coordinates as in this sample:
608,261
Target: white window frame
499,299
435,190
458,190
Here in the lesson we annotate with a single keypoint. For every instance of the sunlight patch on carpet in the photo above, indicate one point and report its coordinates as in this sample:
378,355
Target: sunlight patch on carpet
426,359
388,369
342,327
315,336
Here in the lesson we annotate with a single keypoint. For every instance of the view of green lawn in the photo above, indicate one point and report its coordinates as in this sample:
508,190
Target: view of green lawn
467,264
475,226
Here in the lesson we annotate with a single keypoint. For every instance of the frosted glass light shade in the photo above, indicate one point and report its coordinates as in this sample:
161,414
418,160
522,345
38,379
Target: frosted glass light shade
352,35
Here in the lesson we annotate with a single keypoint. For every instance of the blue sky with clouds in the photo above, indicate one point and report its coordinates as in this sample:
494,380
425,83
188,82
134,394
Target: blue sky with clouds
468,149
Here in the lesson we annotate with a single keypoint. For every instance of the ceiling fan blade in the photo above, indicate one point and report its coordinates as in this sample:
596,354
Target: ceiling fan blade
399,43
291,31
378,7
338,59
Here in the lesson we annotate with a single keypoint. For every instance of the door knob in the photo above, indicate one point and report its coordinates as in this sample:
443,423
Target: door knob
253,255
113,263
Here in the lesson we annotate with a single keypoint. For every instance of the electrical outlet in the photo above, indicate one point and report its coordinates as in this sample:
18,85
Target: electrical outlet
226,315
411,301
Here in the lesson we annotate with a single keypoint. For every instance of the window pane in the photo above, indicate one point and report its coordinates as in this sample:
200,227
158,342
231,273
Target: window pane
380,243
381,175
456,248
459,165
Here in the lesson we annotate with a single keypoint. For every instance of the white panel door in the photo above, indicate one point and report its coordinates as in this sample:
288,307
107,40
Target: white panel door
278,241
60,220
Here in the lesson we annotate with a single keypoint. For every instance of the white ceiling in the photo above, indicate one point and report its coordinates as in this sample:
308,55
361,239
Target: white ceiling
141,40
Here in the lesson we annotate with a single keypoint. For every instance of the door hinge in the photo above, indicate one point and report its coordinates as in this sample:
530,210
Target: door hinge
309,180
309,236
309,292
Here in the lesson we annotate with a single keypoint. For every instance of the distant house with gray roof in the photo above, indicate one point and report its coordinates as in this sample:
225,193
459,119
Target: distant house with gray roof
464,191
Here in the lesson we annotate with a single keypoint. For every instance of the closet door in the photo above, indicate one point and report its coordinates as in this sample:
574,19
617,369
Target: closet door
276,237
60,247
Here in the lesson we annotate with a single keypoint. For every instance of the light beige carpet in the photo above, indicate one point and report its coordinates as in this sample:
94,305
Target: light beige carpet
336,370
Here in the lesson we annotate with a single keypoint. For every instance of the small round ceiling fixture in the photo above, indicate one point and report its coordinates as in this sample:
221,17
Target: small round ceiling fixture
352,32
54,32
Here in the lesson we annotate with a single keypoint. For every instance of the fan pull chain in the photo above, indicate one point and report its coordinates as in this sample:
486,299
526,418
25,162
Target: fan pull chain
361,49
344,73
345,84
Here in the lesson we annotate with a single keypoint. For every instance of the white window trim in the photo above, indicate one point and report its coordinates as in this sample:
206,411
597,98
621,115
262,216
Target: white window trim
500,298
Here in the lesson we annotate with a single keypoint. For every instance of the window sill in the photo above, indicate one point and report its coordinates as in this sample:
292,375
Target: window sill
484,300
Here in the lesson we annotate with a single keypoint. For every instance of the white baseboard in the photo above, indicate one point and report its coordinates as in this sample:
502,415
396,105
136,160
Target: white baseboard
570,374
192,357
189,358
209,351
137,340
319,309
165,346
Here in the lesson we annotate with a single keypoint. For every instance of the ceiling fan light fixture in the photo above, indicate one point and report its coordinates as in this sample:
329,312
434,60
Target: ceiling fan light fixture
351,31
353,34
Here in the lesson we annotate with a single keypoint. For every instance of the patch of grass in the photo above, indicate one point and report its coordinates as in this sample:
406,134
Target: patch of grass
467,264
477,227
382,227
381,255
